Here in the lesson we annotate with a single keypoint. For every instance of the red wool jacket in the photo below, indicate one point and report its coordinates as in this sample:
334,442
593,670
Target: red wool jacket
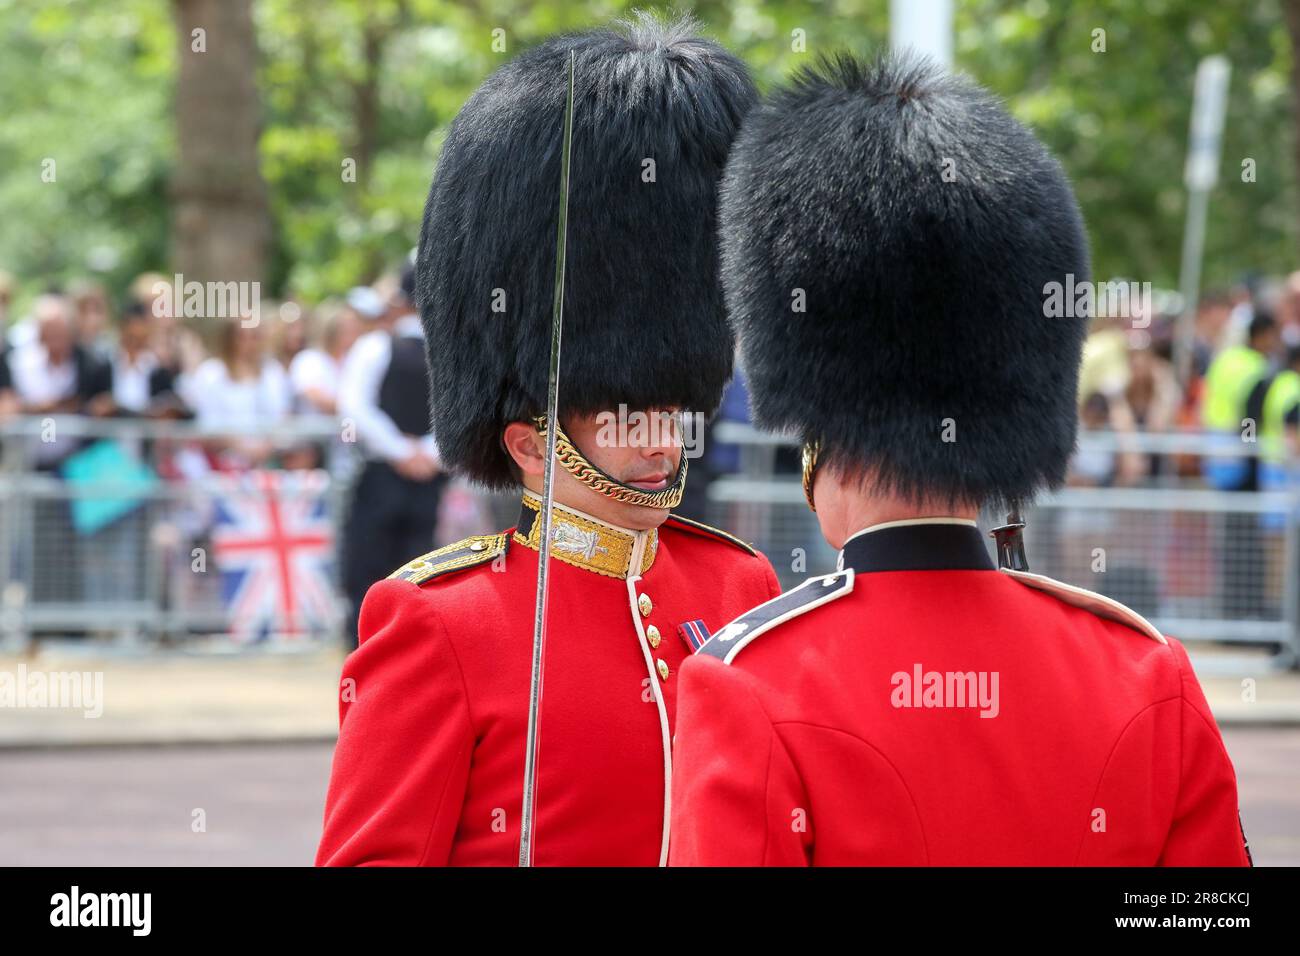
922,708
429,764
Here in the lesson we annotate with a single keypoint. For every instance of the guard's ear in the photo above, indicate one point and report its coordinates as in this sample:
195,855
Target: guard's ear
524,445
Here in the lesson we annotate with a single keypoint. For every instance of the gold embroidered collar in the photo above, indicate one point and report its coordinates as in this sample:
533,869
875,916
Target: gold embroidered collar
586,542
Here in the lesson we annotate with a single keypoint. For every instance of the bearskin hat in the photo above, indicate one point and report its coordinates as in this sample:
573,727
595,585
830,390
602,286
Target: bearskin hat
890,239
655,111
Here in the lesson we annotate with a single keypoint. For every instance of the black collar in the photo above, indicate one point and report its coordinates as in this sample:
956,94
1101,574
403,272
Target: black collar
917,547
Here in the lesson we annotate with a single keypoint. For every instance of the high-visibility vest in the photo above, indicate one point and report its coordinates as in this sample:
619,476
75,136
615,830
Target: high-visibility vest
1228,383
1282,396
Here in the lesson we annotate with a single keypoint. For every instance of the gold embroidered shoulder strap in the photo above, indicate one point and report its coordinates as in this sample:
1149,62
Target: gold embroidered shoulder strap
475,550
708,531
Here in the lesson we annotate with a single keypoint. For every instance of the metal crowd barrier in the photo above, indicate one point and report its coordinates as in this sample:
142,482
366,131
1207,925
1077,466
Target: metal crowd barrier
114,529
1220,570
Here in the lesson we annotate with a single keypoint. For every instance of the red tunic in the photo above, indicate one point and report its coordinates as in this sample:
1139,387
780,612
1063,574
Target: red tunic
428,769
924,708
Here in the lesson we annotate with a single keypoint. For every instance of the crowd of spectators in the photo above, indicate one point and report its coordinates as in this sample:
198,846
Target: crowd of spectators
81,351
1245,345
85,351
274,387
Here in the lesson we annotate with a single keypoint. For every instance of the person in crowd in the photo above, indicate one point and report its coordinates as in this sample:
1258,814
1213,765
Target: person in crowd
1231,403
178,347
1277,398
54,375
1279,426
238,392
311,348
1232,407
113,560
1242,311
288,335
1215,328
9,404
141,386
1152,395
370,307
1093,467
383,396
1286,308
1105,356
1069,535
94,334
314,371
1108,414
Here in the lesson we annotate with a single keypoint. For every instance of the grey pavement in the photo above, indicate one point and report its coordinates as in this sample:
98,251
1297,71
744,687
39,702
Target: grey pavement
261,804
184,697
223,759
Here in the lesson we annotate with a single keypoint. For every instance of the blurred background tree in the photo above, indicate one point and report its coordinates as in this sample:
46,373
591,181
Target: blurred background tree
221,219
355,96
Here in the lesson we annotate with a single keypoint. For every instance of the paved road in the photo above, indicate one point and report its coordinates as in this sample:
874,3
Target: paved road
261,805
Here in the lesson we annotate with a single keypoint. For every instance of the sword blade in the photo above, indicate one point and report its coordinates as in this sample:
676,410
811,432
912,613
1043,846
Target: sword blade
548,493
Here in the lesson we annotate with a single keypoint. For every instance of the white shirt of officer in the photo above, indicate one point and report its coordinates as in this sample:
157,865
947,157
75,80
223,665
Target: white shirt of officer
359,383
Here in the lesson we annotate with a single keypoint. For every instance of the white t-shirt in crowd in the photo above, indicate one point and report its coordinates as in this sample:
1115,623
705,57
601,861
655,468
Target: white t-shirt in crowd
131,381
220,402
313,370
36,380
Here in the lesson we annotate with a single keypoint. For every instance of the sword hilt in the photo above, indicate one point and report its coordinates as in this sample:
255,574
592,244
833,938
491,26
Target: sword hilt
1010,540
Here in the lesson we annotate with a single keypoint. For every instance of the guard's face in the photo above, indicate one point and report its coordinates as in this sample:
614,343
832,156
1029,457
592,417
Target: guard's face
641,448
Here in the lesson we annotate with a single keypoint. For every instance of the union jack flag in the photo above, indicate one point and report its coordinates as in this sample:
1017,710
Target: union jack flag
273,545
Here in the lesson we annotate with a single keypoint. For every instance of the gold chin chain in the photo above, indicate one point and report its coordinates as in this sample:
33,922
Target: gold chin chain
576,464
810,450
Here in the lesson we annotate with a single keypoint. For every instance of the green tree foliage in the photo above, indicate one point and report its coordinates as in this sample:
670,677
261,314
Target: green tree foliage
1119,121
84,86
376,82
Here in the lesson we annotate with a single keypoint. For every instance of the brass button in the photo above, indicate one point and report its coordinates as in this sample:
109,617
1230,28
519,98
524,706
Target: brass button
643,602
663,668
477,546
652,635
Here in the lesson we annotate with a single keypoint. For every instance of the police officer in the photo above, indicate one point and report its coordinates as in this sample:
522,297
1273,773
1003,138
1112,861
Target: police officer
430,759
1232,410
919,705
1279,419
1230,400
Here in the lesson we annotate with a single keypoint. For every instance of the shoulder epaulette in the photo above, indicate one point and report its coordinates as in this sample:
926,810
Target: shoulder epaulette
814,592
708,531
474,550
1098,604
